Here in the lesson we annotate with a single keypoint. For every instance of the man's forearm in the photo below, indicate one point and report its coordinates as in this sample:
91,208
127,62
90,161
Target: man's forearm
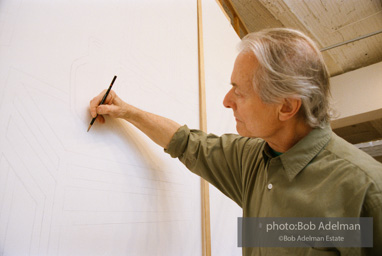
159,129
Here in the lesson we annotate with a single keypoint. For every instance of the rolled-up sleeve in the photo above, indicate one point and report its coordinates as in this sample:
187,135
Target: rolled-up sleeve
217,159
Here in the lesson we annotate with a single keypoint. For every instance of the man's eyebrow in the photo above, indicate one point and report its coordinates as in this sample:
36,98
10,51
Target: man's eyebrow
234,85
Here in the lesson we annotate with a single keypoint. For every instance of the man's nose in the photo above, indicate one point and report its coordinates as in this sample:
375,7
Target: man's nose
228,99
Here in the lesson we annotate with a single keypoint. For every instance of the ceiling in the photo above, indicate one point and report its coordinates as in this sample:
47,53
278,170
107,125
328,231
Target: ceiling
327,22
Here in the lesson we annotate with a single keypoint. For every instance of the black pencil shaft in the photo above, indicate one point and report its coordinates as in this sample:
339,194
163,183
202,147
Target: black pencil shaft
103,100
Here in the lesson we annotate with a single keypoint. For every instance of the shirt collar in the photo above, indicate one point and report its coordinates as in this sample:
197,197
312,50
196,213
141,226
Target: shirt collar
300,155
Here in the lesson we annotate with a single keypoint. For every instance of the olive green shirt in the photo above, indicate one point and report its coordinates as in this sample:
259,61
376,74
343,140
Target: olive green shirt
321,176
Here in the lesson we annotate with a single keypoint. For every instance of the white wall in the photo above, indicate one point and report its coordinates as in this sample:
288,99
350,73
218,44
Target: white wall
357,95
220,41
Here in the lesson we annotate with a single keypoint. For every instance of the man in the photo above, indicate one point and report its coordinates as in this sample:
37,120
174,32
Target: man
286,162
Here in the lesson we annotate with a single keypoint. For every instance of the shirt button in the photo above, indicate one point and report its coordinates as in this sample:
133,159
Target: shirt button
270,186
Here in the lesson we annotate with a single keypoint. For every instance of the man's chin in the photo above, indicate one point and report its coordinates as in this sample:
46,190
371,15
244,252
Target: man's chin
241,130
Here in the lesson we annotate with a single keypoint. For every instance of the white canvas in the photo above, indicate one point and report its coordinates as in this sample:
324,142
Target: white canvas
110,191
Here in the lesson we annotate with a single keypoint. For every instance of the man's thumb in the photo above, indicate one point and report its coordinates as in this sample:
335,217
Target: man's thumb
103,110
106,109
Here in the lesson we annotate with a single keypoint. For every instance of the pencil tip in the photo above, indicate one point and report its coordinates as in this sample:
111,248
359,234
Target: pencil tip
89,127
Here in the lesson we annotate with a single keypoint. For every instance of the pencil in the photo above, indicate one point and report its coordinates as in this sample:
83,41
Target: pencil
102,101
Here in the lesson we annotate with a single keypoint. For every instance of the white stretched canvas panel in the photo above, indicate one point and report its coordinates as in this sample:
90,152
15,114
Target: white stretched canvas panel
220,42
110,191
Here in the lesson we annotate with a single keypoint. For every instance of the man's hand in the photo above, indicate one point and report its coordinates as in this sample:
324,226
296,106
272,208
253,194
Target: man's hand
158,128
113,106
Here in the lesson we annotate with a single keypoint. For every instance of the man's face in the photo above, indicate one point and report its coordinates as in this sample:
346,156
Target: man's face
254,118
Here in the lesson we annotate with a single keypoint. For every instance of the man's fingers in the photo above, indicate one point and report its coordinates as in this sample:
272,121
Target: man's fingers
97,100
111,97
101,110
106,109
93,108
100,119
111,110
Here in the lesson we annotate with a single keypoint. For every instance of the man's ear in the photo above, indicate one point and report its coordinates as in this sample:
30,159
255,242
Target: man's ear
289,108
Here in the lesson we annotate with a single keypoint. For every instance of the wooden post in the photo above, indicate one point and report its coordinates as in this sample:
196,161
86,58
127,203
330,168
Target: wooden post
206,232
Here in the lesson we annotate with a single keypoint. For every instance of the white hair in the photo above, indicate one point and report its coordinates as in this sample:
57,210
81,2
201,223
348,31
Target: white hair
290,66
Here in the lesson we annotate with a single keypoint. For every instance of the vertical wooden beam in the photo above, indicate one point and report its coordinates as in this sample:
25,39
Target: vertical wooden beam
202,91
206,232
